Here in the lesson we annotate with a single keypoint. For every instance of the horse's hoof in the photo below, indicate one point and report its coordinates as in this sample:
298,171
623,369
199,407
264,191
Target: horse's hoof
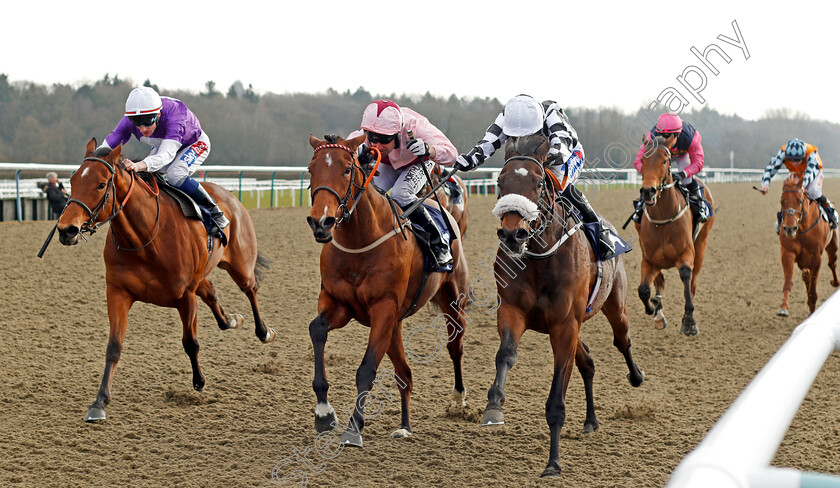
782,312
689,330
269,336
659,321
325,422
552,471
401,433
351,438
636,380
590,426
95,414
492,416
237,321
459,399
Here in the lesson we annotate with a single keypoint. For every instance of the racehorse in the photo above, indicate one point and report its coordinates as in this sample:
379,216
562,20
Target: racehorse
803,237
666,235
154,254
373,272
545,273
458,210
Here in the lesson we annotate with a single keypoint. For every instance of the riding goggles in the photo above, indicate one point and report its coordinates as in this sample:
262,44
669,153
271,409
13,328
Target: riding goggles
144,120
375,138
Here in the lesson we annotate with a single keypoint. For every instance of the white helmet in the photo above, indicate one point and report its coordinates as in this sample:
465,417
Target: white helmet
523,116
143,100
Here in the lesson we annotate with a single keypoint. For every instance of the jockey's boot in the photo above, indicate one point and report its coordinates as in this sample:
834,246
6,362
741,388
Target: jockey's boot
695,200
778,222
829,210
440,249
201,197
607,248
638,210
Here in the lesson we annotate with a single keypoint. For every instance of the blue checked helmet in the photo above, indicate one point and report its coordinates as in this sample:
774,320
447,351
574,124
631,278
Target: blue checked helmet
795,150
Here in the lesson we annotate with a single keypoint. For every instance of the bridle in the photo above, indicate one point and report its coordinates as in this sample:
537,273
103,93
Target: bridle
343,211
663,186
548,190
800,214
92,225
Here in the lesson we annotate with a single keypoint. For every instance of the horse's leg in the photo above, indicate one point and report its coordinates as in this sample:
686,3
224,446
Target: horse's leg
586,367
331,317
649,274
659,320
119,302
447,299
787,266
563,342
511,327
402,376
616,312
207,292
699,257
246,279
689,325
831,248
812,282
188,310
383,322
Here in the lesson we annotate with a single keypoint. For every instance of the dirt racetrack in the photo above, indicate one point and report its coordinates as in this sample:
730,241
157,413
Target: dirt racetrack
257,409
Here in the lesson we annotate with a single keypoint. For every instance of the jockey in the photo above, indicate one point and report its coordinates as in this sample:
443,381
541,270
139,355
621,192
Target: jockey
522,116
179,146
802,160
387,126
689,155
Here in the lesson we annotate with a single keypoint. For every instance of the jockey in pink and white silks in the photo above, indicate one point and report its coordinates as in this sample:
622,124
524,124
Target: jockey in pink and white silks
387,127
688,154
523,116
179,146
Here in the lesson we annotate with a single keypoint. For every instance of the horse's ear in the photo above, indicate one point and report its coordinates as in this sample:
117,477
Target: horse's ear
354,142
115,153
91,146
314,141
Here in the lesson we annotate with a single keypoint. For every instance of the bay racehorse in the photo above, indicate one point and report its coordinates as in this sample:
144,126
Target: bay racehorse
546,272
804,236
667,236
372,271
154,254
458,208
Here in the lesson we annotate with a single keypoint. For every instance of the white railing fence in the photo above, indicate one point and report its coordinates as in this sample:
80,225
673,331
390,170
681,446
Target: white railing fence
737,451
267,185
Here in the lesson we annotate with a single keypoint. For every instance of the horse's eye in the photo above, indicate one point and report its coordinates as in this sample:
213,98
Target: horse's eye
540,184
101,186
347,171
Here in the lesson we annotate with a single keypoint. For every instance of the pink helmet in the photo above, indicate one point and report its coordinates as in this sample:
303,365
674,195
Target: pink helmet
669,123
383,117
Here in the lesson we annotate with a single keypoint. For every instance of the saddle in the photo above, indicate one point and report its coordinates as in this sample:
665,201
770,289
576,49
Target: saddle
192,210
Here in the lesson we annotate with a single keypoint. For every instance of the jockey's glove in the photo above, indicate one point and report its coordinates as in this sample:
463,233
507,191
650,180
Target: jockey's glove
418,148
470,160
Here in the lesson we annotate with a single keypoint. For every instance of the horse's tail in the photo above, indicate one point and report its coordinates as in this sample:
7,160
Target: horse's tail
261,266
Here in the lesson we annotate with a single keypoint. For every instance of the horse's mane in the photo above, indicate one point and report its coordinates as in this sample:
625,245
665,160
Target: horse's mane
525,145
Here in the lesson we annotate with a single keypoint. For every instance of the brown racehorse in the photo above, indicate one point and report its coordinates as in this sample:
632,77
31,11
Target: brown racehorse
803,237
546,271
458,210
154,254
371,273
666,235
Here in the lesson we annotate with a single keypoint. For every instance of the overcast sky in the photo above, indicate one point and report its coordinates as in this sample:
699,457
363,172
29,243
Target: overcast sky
581,53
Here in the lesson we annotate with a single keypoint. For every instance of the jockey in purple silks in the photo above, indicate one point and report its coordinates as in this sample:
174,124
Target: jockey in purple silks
179,146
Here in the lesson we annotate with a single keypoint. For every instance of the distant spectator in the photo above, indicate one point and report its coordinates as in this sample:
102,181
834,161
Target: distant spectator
56,193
